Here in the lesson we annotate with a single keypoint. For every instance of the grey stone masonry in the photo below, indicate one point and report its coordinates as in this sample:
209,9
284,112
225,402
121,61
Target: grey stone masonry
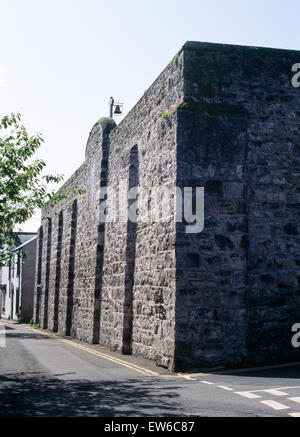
222,117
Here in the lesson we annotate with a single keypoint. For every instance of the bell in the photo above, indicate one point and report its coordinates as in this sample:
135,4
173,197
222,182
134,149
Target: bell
118,110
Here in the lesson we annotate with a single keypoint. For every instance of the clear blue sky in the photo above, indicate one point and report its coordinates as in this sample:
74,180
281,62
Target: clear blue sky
63,59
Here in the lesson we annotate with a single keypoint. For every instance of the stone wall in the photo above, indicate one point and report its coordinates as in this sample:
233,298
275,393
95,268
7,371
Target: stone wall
225,118
139,260
69,237
238,133
114,282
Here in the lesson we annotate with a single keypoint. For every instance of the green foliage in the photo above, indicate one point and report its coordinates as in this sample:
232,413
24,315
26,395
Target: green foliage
34,325
23,189
164,115
168,115
60,195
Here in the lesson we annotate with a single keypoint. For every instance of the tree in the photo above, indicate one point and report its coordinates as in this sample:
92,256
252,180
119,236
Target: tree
23,188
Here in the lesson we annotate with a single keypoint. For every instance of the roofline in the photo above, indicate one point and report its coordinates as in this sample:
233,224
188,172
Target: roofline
230,46
24,244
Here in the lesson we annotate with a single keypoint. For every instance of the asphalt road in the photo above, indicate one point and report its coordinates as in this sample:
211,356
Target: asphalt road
48,376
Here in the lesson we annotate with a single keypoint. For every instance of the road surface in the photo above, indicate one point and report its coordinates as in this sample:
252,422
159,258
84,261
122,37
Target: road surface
45,375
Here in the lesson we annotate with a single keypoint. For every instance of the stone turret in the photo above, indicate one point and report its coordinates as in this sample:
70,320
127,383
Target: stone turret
99,132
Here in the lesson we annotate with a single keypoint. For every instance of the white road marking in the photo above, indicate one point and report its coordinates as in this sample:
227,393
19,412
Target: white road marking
275,405
294,414
295,400
247,394
275,392
207,382
189,378
225,388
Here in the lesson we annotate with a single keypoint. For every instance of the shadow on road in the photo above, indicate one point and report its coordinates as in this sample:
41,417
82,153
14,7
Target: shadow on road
34,395
25,335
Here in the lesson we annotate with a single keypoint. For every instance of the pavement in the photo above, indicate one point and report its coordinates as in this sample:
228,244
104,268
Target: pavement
42,374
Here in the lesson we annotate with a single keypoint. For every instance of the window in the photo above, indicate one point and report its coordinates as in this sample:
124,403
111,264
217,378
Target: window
3,302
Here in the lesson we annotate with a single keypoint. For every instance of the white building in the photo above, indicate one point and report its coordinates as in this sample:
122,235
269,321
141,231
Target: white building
17,280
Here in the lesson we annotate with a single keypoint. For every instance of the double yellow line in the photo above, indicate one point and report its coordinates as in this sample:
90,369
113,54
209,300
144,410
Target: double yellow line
123,363
149,372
